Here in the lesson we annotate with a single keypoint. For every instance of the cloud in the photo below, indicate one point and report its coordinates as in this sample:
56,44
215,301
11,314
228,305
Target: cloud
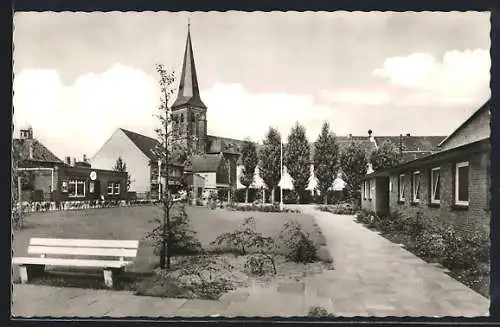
357,97
78,118
237,113
458,78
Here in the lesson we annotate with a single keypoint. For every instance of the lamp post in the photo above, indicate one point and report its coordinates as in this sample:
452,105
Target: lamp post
281,177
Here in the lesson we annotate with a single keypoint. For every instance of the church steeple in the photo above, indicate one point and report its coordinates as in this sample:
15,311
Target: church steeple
189,92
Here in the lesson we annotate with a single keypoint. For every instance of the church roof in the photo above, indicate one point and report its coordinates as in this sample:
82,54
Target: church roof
206,162
189,92
39,151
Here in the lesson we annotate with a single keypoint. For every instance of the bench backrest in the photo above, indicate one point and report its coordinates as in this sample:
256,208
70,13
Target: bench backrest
84,247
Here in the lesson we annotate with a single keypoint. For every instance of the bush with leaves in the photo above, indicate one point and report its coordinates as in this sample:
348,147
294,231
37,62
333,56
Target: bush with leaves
317,311
183,239
261,208
246,239
464,252
298,242
206,276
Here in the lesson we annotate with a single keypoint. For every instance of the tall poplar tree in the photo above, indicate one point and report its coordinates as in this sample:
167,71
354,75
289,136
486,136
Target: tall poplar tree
353,163
250,160
297,159
269,161
326,160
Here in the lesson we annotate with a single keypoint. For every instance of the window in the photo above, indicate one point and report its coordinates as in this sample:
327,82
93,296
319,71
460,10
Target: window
364,190
401,187
435,185
113,188
416,186
462,183
91,187
76,188
182,118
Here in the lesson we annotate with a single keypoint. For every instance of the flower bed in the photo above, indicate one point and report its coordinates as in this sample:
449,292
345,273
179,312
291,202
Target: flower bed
29,207
466,258
261,208
338,209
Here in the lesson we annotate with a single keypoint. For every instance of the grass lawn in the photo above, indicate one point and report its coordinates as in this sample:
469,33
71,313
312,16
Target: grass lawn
132,223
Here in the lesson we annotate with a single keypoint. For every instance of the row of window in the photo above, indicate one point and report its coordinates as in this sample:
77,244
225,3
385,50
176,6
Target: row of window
460,179
78,188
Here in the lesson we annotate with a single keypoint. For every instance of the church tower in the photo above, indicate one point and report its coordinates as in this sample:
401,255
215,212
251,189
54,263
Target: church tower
188,111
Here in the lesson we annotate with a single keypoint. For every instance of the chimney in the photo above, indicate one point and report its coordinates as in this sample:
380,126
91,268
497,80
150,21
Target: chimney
73,162
401,144
350,136
84,158
67,160
407,134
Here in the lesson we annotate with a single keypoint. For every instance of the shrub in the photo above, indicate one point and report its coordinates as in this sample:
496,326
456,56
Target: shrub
299,244
317,311
261,208
464,252
260,264
246,238
183,238
343,209
430,244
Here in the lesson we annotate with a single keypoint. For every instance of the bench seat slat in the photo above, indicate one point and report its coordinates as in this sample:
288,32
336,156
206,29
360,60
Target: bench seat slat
69,262
105,252
123,244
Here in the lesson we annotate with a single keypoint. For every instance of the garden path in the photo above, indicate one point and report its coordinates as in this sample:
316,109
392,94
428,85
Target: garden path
376,277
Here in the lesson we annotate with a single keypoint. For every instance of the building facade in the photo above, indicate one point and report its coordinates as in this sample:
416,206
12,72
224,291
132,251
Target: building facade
451,186
44,177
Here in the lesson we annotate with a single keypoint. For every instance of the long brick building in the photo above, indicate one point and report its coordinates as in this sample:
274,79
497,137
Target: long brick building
451,186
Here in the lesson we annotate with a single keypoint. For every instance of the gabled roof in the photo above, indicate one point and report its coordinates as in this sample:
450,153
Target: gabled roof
189,92
146,144
206,163
40,152
485,106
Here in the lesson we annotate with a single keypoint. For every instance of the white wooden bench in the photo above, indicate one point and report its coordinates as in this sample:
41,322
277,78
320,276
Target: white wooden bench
116,250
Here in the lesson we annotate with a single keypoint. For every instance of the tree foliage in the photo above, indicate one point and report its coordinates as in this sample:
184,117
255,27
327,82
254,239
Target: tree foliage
326,160
270,160
250,161
121,166
297,159
17,214
385,156
353,163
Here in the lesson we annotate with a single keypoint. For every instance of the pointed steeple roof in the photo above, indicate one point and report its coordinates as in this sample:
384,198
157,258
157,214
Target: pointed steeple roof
189,92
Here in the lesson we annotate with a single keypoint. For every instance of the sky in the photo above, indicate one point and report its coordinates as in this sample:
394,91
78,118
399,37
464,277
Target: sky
79,76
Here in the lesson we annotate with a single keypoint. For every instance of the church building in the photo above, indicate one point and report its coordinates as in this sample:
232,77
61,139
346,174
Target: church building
212,159
216,161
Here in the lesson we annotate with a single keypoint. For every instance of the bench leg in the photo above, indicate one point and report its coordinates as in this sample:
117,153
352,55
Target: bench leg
27,272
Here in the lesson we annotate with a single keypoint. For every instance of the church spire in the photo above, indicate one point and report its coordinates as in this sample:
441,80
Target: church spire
189,92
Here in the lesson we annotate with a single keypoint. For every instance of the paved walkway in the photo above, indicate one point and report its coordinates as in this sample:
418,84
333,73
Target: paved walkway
372,277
